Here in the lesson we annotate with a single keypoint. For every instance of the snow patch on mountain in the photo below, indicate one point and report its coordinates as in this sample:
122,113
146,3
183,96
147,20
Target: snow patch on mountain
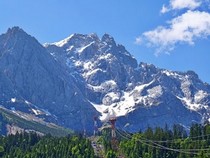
191,105
63,42
172,74
115,82
37,112
121,109
88,66
80,50
13,100
104,87
200,95
185,86
107,56
125,102
155,92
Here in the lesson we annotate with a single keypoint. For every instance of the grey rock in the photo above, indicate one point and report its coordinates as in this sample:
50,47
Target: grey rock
69,80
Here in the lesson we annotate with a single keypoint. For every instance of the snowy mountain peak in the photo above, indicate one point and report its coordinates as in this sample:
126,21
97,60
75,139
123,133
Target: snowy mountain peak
63,42
77,40
94,36
108,39
83,74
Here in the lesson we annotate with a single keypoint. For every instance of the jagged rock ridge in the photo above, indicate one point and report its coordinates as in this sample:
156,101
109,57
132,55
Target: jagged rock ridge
84,75
33,81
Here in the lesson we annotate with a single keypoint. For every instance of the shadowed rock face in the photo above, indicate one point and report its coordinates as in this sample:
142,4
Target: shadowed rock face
83,75
31,74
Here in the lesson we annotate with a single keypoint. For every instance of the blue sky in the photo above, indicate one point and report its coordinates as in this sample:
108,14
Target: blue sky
171,34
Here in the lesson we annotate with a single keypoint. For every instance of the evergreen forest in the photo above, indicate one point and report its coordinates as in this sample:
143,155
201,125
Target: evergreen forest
151,143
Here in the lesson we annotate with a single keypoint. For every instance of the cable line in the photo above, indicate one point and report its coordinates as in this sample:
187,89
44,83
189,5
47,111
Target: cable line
173,140
159,146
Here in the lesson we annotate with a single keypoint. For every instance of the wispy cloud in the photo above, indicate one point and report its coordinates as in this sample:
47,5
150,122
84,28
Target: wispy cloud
164,9
181,4
138,40
185,28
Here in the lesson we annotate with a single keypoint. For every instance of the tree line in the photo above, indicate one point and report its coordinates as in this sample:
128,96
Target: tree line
31,145
151,143
166,143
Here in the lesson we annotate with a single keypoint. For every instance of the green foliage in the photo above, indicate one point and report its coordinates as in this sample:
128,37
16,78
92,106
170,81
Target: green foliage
1,151
165,143
153,143
111,154
30,145
2,125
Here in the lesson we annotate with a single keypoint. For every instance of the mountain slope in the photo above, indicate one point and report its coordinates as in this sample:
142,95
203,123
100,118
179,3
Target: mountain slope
140,95
16,121
71,81
37,80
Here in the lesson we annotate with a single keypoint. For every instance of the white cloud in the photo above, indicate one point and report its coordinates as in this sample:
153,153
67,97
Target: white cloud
185,28
138,40
181,4
164,9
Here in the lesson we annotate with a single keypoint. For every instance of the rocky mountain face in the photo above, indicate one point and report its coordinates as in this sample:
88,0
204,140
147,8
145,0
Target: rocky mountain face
71,81
33,81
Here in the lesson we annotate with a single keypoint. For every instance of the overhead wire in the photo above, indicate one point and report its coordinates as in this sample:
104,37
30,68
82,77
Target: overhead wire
122,135
178,149
171,149
171,140
154,143
159,146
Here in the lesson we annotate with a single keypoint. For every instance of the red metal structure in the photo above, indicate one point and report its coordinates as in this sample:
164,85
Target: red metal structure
112,121
114,141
